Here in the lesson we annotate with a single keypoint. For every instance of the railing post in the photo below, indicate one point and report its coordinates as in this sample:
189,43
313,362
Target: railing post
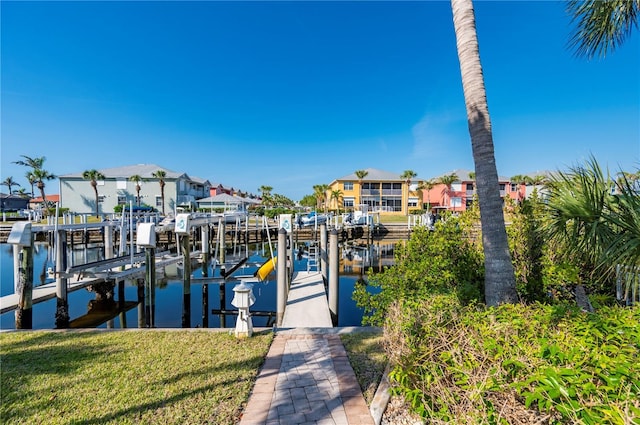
334,276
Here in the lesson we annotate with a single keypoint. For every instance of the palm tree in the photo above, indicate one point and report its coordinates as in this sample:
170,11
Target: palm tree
93,176
36,162
520,180
407,175
161,175
426,185
31,180
447,180
361,174
266,194
137,179
337,196
320,192
10,182
601,26
500,283
40,175
37,175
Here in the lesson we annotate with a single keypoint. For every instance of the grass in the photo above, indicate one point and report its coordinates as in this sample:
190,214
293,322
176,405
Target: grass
368,360
145,377
97,377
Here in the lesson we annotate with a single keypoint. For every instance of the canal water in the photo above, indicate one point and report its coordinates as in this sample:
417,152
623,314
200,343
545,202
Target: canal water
355,262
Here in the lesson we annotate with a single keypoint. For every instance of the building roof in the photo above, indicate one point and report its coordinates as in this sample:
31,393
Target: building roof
464,175
143,170
225,198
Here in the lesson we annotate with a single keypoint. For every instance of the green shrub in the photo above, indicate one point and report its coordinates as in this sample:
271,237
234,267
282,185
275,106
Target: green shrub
431,262
516,363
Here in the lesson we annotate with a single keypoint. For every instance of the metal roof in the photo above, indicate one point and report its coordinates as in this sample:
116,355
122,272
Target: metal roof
143,170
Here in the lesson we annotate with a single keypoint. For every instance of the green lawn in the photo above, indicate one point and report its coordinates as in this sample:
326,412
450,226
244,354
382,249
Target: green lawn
143,377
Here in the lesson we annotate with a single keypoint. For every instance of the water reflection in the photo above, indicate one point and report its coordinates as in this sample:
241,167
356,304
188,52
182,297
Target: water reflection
119,307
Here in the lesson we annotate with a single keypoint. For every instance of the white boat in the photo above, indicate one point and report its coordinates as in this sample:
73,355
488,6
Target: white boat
312,219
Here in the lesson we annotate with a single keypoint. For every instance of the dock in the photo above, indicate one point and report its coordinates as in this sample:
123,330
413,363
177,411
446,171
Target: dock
86,277
307,305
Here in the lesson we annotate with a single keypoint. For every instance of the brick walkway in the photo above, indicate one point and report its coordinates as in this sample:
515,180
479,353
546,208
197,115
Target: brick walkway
306,379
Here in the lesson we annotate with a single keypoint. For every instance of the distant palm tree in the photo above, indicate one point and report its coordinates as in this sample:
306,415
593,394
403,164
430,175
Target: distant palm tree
32,181
35,162
426,185
520,180
500,283
161,175
447,180
137,179
601,26
37,175
21,193
10,182
407,175
337,196
320,192
93,176
266,194
361,174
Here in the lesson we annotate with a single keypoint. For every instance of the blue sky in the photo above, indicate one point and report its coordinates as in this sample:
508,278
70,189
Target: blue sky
293,94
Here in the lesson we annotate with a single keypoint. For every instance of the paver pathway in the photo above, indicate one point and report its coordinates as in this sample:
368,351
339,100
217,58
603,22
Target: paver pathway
306,379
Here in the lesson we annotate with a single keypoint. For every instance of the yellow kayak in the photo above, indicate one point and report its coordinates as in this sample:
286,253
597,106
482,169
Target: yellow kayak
266,268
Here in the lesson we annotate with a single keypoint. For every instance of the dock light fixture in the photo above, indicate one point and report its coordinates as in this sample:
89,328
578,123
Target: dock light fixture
243,299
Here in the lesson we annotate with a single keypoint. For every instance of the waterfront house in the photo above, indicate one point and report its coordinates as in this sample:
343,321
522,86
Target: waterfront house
181,191
460,194
379,191
12,202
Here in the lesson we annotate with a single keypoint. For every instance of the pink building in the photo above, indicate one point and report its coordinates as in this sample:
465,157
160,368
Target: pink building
459,195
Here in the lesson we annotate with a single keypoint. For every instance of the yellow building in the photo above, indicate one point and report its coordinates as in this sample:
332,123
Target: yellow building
377,191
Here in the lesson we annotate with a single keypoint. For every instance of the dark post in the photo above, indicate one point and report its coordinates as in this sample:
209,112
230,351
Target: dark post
150,284
323,253
62,300
186,281
24,312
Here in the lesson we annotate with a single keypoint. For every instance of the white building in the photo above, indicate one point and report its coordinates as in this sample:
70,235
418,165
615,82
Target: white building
180,190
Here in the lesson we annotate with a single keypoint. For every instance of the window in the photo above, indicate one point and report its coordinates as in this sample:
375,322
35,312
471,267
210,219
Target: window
413,202
456,202
347,186
159,201
121,184
122,200
502,186
456,187
348,202
469,186
100,182
100,198
514,187
397,186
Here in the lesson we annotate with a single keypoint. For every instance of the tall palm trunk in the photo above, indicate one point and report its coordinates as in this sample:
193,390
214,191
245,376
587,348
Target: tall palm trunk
499,274
94,184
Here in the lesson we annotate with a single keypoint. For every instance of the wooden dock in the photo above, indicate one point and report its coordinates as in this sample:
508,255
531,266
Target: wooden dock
307,305
84,278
